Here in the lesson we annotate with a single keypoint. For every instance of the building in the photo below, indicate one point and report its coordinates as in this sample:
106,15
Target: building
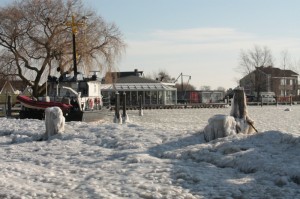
11,86
137,87
200,96
269,79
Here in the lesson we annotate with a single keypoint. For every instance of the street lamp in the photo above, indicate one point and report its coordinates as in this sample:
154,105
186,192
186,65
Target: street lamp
74,25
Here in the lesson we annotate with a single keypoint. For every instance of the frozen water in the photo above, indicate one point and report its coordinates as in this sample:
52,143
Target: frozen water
160,155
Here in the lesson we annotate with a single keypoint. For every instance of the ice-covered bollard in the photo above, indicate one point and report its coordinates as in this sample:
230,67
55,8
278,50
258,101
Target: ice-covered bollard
219,126
55,121
238,122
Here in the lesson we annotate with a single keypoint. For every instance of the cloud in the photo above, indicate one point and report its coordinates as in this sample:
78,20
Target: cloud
203,40
209,54
162,42
201,35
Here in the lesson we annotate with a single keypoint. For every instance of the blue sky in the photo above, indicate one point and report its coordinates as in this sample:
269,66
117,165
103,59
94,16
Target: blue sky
201,38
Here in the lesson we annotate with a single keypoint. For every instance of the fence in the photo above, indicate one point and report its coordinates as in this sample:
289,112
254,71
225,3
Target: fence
7,101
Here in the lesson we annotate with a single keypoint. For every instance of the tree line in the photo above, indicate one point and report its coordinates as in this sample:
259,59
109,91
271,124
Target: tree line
36,40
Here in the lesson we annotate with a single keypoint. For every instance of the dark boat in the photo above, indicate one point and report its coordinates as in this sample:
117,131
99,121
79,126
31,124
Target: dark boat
79,99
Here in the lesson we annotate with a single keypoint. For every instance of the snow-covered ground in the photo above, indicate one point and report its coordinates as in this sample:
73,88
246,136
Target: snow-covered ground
159,155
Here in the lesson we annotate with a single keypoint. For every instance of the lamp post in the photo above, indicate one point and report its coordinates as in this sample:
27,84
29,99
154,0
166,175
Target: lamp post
74,25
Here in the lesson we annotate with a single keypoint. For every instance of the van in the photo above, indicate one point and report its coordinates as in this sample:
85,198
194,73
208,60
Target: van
267,97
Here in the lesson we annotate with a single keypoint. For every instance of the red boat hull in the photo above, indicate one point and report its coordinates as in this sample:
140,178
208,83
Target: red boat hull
33,104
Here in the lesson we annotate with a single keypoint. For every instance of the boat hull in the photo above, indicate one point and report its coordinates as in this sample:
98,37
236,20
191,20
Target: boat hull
84,116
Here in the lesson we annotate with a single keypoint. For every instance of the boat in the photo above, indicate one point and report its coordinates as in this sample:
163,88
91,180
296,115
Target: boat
79,98
35,104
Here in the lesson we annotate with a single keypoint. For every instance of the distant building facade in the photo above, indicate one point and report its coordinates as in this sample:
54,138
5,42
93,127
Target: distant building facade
200,96
137,87
269,79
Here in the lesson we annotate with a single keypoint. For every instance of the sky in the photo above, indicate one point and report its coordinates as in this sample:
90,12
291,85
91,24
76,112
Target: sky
200,38
153,156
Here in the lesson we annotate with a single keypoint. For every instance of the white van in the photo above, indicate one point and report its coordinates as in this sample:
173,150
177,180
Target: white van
267,97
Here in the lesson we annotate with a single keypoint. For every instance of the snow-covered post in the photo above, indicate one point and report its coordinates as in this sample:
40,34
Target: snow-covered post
238,122
125,116
55,121
141,106
118,118
239,112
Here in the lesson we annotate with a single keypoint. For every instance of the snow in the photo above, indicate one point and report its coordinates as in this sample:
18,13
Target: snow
161,154
54,121
220,126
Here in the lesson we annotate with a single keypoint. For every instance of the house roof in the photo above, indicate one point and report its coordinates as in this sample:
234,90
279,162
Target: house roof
16,84
277,72
135,79
7,87
116,75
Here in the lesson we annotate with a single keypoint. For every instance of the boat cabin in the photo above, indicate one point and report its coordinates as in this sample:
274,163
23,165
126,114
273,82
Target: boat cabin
85,92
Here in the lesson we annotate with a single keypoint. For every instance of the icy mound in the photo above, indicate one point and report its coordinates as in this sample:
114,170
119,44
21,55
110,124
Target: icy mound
219,126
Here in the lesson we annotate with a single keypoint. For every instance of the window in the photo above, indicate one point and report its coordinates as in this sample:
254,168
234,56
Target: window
283,81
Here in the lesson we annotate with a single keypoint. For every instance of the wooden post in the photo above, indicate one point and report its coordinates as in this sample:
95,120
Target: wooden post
124,104
291,100
261,101
239,105
117,106
9,105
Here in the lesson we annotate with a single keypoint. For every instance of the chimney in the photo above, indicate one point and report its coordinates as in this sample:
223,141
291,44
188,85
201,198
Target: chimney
136,72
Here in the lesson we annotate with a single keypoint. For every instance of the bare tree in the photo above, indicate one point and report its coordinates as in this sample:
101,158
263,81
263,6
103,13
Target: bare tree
288,63
205,88
221,88
249,63
256,57
162,76
35,40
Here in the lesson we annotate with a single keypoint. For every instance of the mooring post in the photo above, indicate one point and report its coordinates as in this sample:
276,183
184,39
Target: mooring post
261,102
124,105
9,104
141,106
117,106
291,100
